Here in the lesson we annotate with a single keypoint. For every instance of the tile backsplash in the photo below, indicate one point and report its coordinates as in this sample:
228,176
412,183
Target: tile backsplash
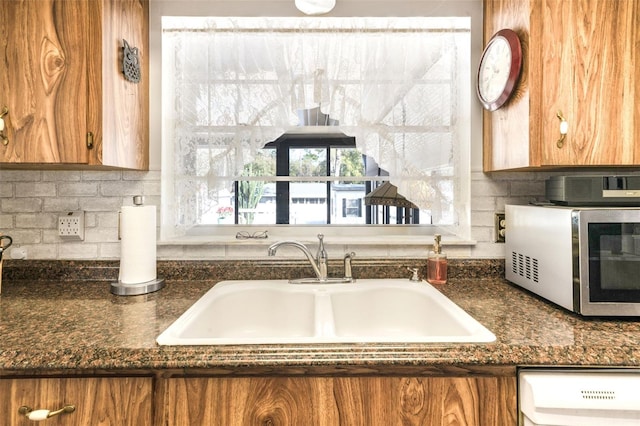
31,201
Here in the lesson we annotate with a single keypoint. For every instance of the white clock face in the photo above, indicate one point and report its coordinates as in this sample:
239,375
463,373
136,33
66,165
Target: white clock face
494,70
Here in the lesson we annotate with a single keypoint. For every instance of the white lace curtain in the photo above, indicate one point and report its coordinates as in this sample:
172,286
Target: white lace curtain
238,83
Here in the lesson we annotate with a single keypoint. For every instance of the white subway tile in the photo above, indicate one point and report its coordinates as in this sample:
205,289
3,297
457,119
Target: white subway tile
60,175
100,204
489,188
25,236
100,235
35,189
20,205
6,222
79,189
106,219
6,189
41,251
88,175
77,250
60,204
36,220
109,251
20,175
121,188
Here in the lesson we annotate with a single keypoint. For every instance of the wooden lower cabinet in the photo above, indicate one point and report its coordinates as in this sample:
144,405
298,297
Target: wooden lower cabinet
318,401
117,401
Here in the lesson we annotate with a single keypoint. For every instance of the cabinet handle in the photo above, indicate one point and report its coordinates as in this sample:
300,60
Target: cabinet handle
564,129
38,415
5,140
90,140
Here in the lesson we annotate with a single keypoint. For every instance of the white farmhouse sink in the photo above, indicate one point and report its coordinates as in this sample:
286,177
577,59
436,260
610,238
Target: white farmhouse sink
368,311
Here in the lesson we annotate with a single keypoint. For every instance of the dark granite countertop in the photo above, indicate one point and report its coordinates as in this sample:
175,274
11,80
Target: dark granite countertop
58,325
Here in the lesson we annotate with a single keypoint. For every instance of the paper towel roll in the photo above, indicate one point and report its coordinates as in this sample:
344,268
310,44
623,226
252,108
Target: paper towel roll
138,244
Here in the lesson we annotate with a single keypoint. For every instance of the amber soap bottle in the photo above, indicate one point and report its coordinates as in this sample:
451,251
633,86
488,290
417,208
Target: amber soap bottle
437,264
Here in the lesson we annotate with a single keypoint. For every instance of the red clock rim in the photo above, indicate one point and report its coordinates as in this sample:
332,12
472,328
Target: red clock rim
514,72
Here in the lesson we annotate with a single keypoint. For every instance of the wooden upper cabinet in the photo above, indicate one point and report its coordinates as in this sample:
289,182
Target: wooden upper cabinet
61,79
43,80
581,61
118,108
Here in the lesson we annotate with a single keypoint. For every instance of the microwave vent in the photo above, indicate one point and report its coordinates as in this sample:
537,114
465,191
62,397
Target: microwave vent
524,266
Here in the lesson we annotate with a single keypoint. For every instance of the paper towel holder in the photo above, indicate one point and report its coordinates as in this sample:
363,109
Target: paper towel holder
134,289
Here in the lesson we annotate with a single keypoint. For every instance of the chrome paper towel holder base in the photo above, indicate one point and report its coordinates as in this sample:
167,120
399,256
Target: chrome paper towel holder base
122,289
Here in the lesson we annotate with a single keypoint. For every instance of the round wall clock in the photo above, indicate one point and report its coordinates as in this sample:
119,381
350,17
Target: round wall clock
499,69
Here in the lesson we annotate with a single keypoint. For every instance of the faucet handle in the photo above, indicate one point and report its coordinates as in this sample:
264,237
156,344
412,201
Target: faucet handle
415,276
322,254
321,257
348,275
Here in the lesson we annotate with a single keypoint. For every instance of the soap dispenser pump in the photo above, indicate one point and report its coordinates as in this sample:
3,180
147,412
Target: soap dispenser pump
437,263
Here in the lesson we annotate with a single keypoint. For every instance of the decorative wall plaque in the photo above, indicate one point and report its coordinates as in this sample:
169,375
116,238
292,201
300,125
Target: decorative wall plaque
131,63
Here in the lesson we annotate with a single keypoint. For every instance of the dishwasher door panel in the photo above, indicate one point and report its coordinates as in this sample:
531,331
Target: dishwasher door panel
579,397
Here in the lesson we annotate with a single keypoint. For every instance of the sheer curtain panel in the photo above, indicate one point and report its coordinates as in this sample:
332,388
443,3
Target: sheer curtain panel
399,85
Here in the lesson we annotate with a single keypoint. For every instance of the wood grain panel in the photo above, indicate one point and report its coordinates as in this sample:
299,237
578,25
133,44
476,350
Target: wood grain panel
61,78
634,90
581,59
103,401
338,400
119,109
43,80
502,149
588,74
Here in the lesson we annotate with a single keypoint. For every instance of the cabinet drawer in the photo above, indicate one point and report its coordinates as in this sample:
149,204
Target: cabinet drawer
97,400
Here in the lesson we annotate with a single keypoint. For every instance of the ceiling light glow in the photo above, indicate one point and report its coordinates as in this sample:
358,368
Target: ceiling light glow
315,7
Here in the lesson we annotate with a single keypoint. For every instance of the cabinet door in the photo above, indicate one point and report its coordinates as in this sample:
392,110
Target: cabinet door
118,109
590,52
43,80
106,401
328,401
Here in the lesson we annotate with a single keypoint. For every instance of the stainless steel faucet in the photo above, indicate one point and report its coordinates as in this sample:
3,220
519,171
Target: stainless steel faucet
319,264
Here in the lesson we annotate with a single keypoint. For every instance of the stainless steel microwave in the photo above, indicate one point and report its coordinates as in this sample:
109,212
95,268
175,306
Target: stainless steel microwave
586,260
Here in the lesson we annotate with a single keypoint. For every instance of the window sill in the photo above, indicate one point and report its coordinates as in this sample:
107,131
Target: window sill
351,240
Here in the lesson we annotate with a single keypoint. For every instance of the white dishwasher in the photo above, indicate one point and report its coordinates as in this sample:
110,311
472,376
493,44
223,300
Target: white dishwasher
579,397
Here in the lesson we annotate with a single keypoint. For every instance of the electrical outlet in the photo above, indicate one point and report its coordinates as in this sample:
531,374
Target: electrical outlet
499,227
71,226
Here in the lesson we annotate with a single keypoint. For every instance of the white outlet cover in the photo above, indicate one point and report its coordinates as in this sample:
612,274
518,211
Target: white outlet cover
71,226
18,253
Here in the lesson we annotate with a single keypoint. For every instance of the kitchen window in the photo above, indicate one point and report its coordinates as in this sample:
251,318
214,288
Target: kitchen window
321,180
400,87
